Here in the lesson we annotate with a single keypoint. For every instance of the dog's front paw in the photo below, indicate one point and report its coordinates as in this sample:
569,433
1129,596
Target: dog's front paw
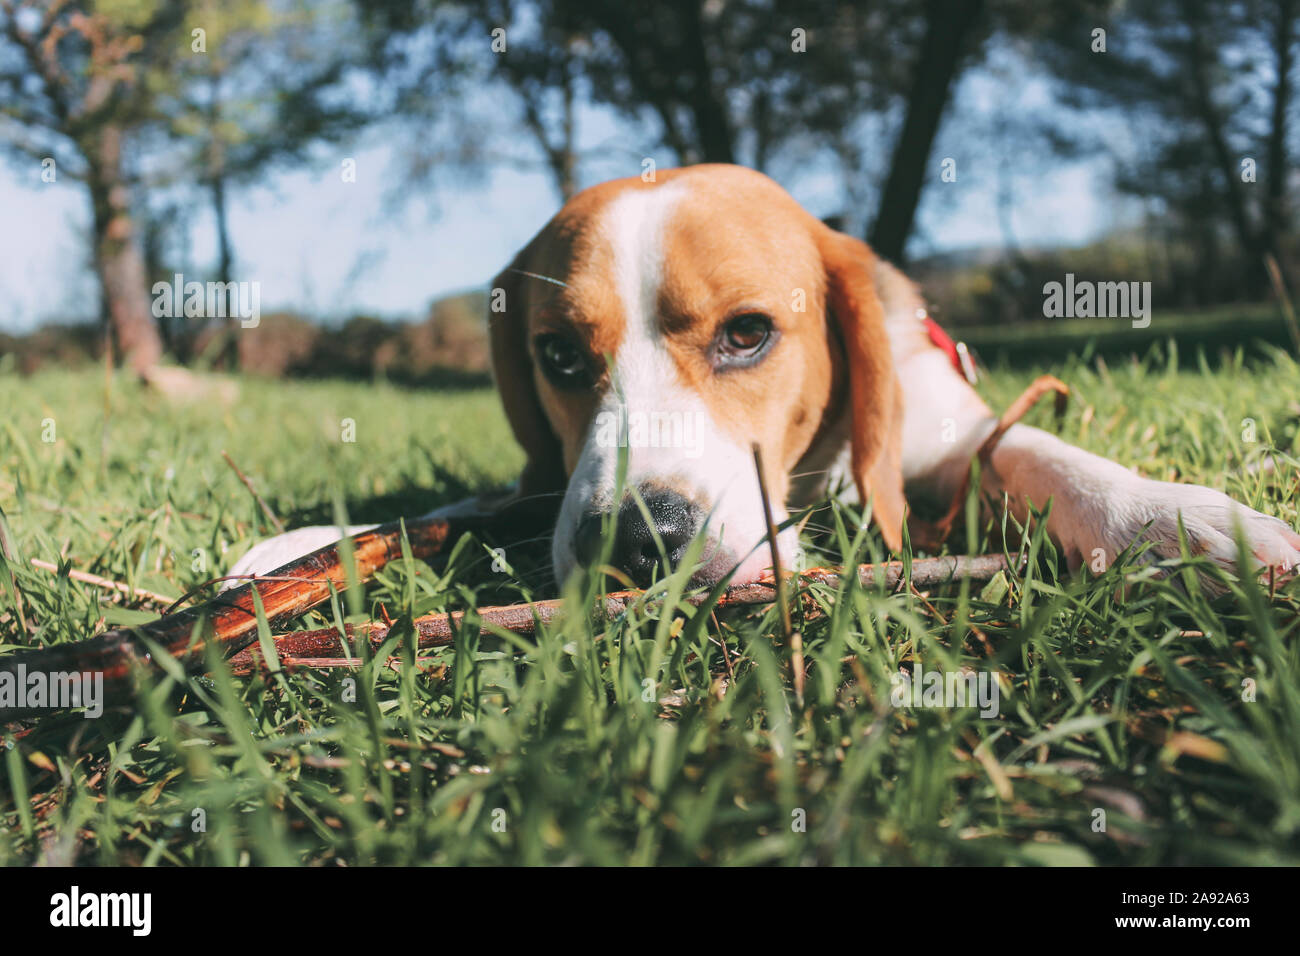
1150,510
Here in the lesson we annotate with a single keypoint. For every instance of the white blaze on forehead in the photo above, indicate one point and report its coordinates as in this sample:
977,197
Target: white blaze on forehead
645,381
634,224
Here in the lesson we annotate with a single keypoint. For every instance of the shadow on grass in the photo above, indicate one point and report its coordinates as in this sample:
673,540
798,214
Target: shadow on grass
525,550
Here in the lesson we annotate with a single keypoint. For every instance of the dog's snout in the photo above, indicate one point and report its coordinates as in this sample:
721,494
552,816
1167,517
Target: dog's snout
635,552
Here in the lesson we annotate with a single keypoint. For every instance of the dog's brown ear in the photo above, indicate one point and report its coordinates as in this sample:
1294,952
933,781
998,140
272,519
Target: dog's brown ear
512,368
875,396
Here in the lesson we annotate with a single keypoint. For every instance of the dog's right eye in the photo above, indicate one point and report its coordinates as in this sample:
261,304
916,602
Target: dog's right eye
562,361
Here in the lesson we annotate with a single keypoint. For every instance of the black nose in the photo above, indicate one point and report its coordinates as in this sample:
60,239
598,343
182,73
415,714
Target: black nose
635,552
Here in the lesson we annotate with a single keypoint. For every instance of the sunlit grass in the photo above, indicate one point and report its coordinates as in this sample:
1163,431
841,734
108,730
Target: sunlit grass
644,740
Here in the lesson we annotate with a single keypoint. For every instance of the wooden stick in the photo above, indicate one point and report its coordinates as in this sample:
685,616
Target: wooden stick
439,630
120,586
929,535
229,620
248,483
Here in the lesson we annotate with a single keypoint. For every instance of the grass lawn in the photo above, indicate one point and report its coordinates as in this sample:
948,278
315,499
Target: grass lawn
1122,734
1215,331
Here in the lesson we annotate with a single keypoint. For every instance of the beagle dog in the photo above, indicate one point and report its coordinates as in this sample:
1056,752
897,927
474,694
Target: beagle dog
659,329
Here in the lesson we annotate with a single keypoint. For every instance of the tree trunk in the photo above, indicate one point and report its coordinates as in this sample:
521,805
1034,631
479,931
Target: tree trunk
118,260
762,121
225,266
1207,112
1276,214
229,330
948,25
712,124
225,257
567,170
564,157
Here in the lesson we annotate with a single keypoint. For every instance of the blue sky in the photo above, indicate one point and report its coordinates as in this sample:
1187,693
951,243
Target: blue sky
332,249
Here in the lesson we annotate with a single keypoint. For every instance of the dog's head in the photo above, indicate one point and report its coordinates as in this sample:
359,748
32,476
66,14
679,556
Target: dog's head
682,321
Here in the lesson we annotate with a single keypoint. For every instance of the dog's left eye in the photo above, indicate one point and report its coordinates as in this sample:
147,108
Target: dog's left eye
744,339
562,360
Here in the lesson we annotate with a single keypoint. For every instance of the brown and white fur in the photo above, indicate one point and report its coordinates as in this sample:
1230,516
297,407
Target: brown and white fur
849,386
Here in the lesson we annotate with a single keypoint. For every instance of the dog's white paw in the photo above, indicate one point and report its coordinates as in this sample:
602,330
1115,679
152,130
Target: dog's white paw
276,552
1209,517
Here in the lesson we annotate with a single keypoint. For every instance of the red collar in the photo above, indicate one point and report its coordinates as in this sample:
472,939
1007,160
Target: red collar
957,352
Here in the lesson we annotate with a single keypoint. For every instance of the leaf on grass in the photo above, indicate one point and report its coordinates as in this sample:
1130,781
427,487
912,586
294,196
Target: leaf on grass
150,798
1054,854
996,589
125,616
1194,745
42,761
1066,728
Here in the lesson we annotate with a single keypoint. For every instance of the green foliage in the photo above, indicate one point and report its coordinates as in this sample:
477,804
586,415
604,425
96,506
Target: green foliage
1120,692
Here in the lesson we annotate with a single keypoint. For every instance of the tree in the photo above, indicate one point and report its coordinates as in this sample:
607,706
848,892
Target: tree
1210,84
950,26
446,66
752,81
78,81
268,88
773,84
109,90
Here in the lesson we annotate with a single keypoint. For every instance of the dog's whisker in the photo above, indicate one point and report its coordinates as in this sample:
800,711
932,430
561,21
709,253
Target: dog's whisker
809,474
536,539
535,275
538,496
828,529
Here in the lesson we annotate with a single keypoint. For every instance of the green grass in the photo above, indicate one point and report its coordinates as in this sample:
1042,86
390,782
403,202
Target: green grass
1214,330
635,742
